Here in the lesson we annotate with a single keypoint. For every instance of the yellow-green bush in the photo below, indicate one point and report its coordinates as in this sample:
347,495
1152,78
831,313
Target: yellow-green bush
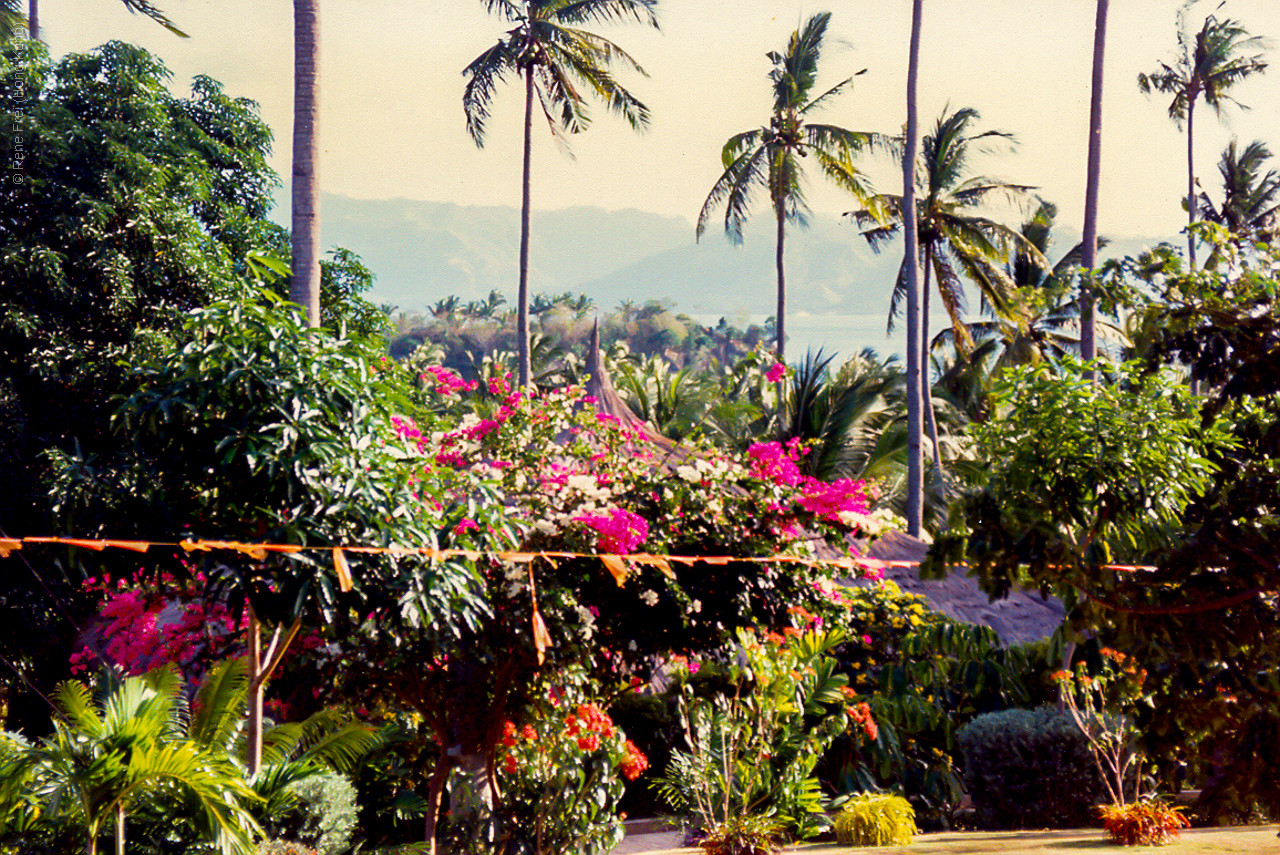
876,819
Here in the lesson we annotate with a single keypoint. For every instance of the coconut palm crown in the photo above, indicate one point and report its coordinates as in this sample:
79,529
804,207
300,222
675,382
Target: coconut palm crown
769,157
1208,65
957,239
1250,207
562,65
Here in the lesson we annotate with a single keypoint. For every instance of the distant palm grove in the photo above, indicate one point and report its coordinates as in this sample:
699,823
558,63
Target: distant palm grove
286,571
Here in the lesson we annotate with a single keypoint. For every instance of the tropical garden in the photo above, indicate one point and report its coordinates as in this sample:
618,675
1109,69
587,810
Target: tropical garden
284,571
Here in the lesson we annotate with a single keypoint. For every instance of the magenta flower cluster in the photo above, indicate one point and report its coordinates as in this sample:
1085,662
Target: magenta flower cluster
827,500
143,631
447,383
619,530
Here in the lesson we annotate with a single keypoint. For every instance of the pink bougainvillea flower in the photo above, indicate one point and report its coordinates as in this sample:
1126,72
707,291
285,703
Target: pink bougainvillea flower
776,373
620,531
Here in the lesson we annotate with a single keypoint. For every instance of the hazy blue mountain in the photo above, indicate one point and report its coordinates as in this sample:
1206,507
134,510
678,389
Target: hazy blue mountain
838,289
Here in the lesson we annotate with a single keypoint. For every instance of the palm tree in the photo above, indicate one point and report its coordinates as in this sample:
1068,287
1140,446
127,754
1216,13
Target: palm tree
955,237
1207,66
916,367
1250,208
1089,257
769,157
104,758
555,57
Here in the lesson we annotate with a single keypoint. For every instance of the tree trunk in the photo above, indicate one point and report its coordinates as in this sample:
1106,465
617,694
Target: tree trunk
253,729
915,462
522,297
262,663
1089,254
1191,181
33,20
781,338
120,829
304,281
435,794
926,387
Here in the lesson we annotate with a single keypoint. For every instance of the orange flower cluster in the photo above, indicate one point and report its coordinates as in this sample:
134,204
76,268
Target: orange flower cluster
588,723
861,714
634,763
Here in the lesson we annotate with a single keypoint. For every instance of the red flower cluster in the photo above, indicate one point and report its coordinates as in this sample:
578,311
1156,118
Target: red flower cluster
861,714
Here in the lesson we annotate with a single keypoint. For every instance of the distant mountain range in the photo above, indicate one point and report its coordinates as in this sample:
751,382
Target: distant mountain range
838,289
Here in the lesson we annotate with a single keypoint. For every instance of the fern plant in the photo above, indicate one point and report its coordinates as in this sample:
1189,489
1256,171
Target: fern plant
876,819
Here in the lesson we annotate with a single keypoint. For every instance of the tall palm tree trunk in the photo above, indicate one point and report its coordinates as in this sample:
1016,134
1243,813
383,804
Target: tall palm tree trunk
1089,254
915,462
33,20
926,387
781,340
304,281
1191,181
522,297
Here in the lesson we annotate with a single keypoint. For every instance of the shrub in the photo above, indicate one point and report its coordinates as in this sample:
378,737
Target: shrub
1148,822
743,835
876,819
1028,769
753,752
325,813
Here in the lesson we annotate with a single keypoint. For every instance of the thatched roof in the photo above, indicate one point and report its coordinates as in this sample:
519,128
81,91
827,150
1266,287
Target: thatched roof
1023,616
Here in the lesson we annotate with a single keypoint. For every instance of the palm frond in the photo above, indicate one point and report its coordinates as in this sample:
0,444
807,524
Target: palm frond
734,190
507,9
795,71
830,93
145,8
841,172
608,11
75,705
616,97
483,75
219,704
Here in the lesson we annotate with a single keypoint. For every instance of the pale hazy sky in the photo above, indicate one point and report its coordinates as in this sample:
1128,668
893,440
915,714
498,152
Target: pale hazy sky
392,122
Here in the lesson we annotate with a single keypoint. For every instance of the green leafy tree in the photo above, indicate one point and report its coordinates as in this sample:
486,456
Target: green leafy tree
1188,488
554,57
768,158
107,759
1209,64
254,429
134,205
1081,476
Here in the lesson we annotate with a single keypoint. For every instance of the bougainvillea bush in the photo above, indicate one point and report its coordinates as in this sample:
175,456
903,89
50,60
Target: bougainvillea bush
586,569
